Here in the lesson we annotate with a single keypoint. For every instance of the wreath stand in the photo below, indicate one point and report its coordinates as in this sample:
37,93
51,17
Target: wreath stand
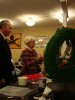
63,78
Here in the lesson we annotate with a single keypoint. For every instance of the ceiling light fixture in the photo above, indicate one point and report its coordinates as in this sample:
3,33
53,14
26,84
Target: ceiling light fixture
61,19
30,21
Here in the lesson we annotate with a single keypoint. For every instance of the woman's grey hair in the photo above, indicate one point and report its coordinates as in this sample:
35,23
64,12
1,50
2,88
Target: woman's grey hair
28,39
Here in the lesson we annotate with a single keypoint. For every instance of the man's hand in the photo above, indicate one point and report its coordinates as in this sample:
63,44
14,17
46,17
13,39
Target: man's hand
2,82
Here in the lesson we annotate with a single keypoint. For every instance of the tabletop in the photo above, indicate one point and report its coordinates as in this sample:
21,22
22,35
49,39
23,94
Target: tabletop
60,91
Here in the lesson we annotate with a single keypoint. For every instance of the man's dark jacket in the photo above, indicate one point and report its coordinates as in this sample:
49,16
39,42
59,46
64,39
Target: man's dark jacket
6,65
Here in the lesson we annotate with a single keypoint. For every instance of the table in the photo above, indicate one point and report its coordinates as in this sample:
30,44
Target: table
60,91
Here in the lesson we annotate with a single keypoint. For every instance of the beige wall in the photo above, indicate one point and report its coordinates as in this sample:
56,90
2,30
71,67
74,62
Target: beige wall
35,31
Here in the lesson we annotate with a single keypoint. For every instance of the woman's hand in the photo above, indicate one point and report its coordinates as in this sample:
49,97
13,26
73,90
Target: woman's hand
40,58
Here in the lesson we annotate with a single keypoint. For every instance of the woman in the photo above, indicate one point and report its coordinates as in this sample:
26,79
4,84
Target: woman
29,57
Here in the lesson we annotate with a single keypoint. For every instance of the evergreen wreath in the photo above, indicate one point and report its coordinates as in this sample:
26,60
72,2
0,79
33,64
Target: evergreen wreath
54,71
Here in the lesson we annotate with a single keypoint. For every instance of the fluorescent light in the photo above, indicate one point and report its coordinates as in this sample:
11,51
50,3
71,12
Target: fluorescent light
61,19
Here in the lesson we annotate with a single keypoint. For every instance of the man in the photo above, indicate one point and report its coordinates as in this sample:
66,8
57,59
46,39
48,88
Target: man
6,65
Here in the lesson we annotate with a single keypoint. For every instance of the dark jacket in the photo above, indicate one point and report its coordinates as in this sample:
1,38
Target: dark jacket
6,65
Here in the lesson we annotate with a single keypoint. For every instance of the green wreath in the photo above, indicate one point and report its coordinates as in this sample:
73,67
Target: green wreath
54,71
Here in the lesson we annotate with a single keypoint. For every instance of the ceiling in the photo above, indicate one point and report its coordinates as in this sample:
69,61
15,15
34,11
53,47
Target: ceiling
46,12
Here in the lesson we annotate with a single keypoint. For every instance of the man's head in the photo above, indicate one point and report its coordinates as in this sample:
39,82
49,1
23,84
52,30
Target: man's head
5,27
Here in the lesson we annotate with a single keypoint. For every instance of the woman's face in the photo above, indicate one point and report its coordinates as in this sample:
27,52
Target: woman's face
31,44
